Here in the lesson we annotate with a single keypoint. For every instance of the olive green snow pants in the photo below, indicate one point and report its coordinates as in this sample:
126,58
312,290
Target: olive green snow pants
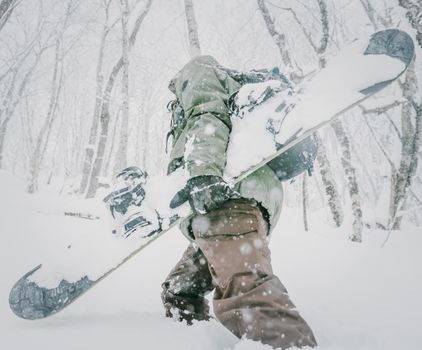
232,256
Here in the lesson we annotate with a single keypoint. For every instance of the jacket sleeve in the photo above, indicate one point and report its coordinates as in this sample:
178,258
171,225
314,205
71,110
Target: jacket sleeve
203,91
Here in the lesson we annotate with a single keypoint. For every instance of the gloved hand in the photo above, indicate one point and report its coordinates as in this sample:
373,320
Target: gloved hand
204,193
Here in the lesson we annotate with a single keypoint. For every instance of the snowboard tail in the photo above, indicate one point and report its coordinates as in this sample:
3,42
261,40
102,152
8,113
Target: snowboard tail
31,301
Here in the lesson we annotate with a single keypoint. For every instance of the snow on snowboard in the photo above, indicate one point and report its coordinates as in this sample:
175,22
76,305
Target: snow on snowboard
358,72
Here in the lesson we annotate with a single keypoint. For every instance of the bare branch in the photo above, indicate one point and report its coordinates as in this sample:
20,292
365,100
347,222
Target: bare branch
373,16
105,107
121,155
6,9
279,39
307,34
383,151
382,109
138,23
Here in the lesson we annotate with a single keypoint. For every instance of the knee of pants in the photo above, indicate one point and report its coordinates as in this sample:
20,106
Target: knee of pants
233,220
234,241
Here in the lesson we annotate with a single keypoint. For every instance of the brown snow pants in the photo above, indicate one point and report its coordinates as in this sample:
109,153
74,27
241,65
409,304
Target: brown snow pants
233,257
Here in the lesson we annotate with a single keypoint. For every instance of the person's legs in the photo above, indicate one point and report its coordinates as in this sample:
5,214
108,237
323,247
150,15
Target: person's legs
249,299
185,287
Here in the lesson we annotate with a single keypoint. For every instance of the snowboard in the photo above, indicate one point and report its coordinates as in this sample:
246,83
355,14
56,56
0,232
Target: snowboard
357,73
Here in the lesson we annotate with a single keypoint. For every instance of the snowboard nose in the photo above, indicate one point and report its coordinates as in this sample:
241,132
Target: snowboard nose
392,42
30,301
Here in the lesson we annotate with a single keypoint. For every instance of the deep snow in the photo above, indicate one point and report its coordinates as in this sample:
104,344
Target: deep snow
355,296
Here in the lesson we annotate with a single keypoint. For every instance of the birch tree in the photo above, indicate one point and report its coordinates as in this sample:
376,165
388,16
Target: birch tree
194,46
352,184
121,155
12,98
279,39
330,185
93,133
328,179
411,121
322,159
305,200
43,137
409,136
414,16
411,132
16,78
105,108
342,138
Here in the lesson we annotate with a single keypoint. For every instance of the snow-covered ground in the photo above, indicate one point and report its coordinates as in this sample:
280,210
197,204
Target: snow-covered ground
355,296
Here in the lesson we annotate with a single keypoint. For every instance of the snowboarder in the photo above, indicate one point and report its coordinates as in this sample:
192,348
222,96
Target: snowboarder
230,230
229,233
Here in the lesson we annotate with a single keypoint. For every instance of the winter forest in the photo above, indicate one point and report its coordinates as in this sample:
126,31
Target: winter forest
84,94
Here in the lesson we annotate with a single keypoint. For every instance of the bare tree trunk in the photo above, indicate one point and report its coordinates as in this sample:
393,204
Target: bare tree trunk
350,172
43,137
3,129
104,126
374,17
6,9
121,155
410,137
28,49
322,48
324,164
411,140
329,183
342,138
279,39
305,200
392,206
394,171
194,46
143,132
105,110
6,112
141,143
115,127
12,99
89,150
370,13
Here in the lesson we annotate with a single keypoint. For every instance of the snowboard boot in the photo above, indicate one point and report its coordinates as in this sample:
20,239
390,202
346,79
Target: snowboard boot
128,190
249,299
125,203
185,288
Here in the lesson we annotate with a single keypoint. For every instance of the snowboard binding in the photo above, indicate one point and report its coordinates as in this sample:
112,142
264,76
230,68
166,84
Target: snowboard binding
125,200
128,191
